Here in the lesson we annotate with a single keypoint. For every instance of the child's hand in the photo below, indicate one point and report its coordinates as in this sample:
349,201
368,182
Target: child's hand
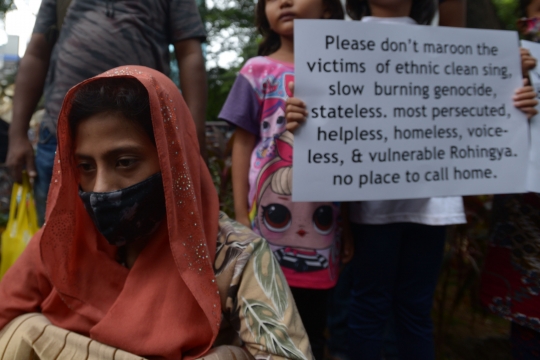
528,62
295,111
525,99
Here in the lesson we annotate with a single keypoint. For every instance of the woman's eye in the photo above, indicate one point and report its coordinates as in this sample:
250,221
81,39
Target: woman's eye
323,219
277,217
85,167
126,163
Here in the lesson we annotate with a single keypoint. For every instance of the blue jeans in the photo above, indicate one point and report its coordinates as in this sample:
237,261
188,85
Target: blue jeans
46,150
338,313
395,267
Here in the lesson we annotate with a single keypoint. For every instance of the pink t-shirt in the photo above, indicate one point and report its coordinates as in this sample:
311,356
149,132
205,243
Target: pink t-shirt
304,236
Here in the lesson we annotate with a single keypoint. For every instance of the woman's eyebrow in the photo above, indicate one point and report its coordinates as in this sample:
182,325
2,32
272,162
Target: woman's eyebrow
113,152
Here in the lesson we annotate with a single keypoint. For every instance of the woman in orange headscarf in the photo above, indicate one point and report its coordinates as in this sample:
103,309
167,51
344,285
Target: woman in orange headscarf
128,256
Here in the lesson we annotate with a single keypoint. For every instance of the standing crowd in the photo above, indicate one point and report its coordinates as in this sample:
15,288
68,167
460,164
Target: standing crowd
134,256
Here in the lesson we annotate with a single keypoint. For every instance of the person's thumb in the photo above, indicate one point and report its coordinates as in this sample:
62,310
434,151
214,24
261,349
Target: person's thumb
291,87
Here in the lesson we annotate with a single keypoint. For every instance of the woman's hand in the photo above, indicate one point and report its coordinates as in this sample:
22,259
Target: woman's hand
525,99
295,111
528,62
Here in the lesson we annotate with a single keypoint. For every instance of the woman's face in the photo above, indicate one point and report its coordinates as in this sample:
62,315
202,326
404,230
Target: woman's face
113,153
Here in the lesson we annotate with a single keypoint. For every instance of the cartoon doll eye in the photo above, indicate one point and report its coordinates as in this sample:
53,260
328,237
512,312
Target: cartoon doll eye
280,120
276,217
323,219
265,125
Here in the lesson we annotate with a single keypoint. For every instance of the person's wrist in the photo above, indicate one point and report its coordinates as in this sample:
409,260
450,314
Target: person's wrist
17,132
16,136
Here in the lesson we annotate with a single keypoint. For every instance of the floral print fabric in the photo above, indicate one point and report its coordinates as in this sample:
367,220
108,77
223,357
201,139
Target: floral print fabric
257,304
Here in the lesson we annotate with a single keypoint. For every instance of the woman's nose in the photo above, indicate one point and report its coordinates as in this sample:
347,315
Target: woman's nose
104,182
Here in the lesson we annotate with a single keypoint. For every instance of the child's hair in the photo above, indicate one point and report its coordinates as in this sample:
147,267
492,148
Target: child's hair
125,96
422,11
523,5
271,41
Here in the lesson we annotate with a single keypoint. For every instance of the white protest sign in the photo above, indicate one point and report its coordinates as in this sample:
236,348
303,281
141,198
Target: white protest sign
401,111
533,176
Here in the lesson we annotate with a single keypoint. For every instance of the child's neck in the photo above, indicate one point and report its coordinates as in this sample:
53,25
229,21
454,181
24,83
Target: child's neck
403,9
286,50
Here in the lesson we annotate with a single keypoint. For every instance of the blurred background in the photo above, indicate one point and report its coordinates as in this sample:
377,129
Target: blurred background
464,330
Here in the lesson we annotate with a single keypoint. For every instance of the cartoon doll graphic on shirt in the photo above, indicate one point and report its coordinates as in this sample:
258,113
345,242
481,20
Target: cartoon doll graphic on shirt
302,235
274,91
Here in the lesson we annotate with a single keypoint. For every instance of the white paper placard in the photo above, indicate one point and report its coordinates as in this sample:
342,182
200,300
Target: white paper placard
533,176
400,111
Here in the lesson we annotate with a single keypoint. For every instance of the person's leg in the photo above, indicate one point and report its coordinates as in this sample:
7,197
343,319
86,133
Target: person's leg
46,150
525,342
374,272
312,306
339,299
419,265
390,343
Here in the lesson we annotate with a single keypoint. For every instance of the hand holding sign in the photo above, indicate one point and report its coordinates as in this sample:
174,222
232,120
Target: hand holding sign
295,111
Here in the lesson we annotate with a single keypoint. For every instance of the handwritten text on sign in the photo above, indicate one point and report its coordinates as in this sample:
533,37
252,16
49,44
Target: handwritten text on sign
401,111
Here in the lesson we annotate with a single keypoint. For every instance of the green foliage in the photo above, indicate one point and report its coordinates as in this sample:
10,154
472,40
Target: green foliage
6,5
230,26
508,12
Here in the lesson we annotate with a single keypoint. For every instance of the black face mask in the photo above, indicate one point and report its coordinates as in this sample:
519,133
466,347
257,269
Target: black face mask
127,215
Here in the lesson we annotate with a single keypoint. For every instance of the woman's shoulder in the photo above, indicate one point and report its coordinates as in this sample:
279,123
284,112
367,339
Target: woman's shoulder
236,244
232,234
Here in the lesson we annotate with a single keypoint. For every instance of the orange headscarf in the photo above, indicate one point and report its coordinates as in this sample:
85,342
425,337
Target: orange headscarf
168,304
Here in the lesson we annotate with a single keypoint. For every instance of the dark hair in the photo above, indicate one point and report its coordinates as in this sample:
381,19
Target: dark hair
271,41
422,11
125,96
523,5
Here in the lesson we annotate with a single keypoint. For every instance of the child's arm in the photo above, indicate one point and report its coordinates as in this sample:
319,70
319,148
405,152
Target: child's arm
243,144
